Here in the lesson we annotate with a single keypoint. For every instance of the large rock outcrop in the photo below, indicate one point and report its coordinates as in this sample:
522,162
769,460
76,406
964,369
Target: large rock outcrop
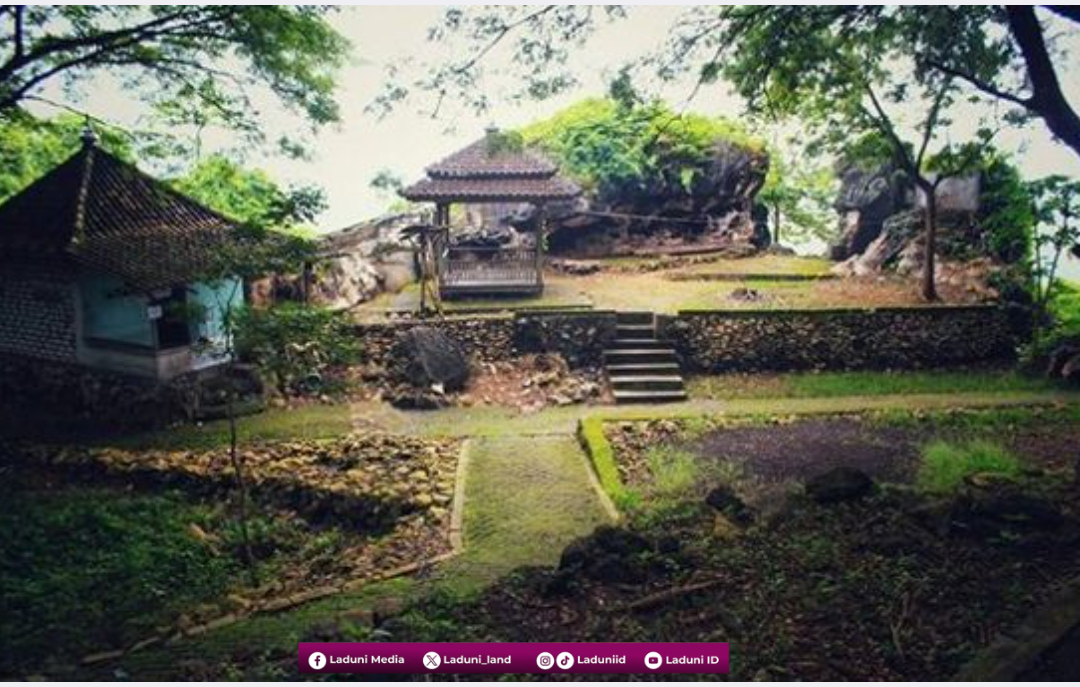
364,260
866,199
670,214
882,222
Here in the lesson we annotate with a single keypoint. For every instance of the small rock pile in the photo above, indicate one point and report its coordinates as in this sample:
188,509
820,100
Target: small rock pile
560,386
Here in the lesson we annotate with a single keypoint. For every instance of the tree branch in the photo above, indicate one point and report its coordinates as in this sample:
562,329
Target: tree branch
1047,100
981,85
886,125
503,32
931,121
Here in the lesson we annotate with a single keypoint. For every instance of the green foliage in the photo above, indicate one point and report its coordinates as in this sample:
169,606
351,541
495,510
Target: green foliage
30,147
198,62
608,147
297,345
1008,218
250,196
799,191
944,465
86,569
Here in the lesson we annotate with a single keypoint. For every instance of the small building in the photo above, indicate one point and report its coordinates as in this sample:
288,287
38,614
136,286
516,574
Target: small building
494,177
99,267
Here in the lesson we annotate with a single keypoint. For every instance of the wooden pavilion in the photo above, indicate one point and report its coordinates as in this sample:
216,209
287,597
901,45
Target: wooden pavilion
495,173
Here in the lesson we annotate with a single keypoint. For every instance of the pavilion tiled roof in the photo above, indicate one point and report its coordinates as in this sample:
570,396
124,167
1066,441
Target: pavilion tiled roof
100,212
485,172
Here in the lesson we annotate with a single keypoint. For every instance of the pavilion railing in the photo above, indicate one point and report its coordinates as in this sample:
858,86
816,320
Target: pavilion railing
495,266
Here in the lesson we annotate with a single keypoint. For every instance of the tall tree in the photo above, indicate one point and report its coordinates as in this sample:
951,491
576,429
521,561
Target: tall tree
209,58
848,79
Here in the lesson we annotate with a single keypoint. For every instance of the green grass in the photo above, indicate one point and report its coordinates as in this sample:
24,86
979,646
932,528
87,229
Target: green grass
945,465
837,384
987,420
285,424
85,569
674,470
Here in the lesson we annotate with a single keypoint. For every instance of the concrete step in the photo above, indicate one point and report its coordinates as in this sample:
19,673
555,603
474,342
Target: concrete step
635,331
643,368
634,318
648,396
639,355
647,382
638,344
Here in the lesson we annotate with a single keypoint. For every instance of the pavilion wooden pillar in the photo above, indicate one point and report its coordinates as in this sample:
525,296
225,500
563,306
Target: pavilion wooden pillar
541,239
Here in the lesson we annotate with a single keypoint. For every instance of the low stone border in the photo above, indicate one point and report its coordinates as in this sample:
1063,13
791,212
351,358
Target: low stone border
602,468
283,603
1016,650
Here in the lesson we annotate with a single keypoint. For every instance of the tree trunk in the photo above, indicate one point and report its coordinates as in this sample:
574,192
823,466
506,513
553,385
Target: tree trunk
776,224
241,484
1047,99
929,288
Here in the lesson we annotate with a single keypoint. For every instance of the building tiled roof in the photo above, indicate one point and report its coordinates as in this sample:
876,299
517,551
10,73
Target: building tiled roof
486,172
526,190
103,213
483,159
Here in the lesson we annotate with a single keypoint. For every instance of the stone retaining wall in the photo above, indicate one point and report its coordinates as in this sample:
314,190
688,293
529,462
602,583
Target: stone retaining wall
580,336
44,396
882,338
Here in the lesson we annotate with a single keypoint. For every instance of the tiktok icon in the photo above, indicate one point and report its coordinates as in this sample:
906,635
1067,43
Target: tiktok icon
317,661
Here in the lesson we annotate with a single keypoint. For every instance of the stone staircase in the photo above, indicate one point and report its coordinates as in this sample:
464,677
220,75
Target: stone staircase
640,367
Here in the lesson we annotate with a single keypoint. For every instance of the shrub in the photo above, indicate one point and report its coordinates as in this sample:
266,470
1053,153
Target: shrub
945,465
296,345
1008,216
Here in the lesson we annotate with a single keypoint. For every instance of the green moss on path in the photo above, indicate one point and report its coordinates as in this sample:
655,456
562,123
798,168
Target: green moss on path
526,498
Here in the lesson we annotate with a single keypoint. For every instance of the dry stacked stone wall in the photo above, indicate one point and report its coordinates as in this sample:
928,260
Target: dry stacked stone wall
882,338
39,396
580,336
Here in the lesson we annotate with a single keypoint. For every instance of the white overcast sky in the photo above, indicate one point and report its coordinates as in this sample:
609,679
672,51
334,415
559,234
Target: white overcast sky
348,156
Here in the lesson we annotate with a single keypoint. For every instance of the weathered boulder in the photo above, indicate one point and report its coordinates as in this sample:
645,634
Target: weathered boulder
728,503
839,484
425,357
894,235
364,260
866,199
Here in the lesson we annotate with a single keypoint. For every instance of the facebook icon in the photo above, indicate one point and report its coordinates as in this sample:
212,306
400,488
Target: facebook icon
317,661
